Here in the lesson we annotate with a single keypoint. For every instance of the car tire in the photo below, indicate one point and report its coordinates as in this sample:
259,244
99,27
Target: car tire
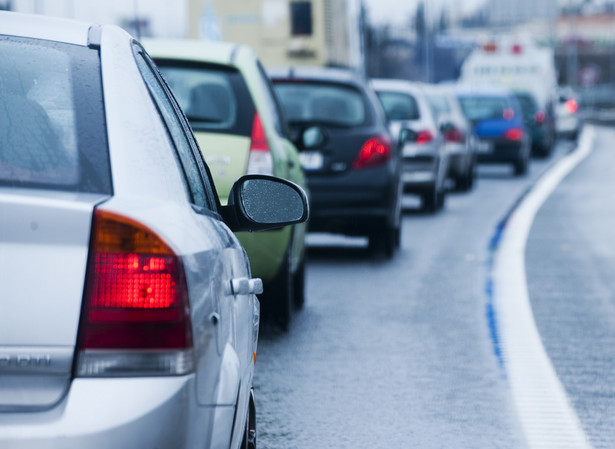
430,200
278,295
465,183
384,243
521,166
299,284
249,434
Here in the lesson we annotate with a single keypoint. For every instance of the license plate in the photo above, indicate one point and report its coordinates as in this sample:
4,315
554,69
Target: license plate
311,160
484,147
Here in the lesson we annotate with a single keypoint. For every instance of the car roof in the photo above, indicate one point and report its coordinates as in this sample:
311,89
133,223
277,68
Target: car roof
397,85
194,50
44,27
346,76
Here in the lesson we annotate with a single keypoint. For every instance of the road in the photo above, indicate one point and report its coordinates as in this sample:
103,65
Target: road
400,353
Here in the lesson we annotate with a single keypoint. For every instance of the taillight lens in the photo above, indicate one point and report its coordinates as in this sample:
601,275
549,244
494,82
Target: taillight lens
424,136
260,161
376,151
539,117
571,106
136,318
454,135
514,134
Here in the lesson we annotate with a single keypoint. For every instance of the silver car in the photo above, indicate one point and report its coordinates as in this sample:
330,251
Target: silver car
424,156
128,315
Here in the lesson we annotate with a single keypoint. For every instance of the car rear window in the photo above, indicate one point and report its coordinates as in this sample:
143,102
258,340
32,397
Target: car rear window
484,107
328,103
399,105
52,127
214,98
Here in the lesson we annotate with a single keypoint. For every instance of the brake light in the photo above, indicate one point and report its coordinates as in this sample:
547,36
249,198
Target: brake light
376,151
514,134
571,106
424,136
260,161
136,318
508,113
454,135
539,117
490,47
517,49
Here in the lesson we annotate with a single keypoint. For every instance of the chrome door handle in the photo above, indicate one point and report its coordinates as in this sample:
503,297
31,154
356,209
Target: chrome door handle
245,286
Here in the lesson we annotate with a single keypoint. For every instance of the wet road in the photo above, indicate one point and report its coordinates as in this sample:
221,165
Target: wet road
570,261
399,353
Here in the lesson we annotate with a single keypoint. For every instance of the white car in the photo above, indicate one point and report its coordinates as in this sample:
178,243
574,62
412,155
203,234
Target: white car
128,315
567,117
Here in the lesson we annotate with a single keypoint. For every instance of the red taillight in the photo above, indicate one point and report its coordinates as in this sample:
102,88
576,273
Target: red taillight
508,113
136,296
424,136
571,106
454,135
260,160
539,117
517,49
374,152
514,134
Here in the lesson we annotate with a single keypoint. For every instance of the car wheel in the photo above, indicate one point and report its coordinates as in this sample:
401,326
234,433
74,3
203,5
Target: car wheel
384,242
278,295
521,166
249,434
299,284
430,200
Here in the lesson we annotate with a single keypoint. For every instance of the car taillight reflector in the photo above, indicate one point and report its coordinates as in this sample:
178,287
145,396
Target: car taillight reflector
424,136
539,117
514,134
376,151
571,106
260,161
454,135
136,299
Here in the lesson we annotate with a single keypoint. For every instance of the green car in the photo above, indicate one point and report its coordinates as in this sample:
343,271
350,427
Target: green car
240,128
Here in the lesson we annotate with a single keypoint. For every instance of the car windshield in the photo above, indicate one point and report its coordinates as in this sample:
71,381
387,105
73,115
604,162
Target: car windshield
399,105
52,133
484,107
333,104
211,96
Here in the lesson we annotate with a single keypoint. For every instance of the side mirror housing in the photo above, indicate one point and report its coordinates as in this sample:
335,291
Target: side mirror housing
407,135
260,202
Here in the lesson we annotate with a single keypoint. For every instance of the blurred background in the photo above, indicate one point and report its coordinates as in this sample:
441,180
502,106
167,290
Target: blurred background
419,40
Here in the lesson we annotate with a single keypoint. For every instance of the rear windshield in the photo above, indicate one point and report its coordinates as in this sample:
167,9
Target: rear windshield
399,106
333,104
485,107
214,98
52,128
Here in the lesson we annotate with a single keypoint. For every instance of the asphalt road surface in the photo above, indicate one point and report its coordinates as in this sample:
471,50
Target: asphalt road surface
399,353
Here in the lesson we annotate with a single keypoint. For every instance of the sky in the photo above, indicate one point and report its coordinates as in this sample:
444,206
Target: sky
396,12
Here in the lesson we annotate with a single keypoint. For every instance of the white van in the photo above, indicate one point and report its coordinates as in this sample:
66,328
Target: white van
513,62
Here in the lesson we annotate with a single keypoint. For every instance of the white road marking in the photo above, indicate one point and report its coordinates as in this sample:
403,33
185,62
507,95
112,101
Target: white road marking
545,412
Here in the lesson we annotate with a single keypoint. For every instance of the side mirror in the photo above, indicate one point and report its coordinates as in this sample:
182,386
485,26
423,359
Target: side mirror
312,137
259,202
407,135
446,127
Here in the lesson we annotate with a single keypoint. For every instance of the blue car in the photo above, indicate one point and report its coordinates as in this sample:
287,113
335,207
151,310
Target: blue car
499,126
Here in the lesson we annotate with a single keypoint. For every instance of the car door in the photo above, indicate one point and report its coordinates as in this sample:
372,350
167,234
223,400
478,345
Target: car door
222,296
